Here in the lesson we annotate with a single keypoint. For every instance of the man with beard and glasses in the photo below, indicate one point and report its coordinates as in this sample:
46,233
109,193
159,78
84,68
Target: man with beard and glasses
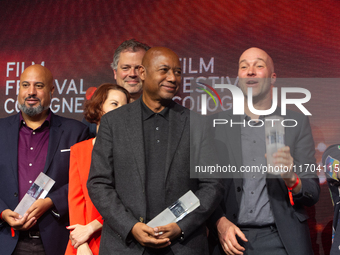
33,141
262,213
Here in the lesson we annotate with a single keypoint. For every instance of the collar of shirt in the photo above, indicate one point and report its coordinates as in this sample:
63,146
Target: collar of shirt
46,123
148,113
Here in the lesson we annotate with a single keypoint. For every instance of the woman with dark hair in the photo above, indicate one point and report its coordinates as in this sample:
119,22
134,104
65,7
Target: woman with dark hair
85,221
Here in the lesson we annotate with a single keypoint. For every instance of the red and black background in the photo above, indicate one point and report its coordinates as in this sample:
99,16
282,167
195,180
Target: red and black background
76,41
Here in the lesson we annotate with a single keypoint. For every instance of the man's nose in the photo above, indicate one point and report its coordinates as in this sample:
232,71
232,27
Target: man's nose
32,90
171,76
251,71
133,72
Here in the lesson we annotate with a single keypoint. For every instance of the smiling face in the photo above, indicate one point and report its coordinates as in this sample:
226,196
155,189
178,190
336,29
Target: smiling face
256,70
161,75
36,90
114,100
126,74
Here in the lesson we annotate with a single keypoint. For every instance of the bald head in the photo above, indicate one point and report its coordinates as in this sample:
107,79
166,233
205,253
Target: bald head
157,52
256,53
38,71
256,72
161,76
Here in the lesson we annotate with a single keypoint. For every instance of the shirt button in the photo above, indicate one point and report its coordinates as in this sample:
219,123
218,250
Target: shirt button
31,148
253,176
157,128
30,164
158,141
33,133
30,181
252,192
254,159
251,211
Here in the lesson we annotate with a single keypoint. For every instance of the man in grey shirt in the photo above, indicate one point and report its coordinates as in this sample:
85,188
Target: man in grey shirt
255,207
259,215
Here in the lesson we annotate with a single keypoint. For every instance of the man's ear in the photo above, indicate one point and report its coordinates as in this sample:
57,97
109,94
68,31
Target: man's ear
273,78
115,74
142,72
52,90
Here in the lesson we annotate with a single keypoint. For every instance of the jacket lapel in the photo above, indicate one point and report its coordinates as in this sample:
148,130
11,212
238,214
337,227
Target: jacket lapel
177,122
13,133
134,127
54,139
234,136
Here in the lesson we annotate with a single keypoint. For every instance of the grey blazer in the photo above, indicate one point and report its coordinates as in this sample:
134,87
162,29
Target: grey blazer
116,181
291,221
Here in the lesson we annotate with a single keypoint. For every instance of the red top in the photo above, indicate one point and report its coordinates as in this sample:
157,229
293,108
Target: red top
81,208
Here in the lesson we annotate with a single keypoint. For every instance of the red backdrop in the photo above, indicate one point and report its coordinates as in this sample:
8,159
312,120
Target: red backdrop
76,41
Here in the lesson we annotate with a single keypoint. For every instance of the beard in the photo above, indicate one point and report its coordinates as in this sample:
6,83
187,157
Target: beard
30,110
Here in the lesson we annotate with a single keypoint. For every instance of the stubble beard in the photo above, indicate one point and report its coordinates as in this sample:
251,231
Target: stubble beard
31,110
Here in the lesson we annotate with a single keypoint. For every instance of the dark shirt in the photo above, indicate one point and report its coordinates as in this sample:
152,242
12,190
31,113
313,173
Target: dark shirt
255,208
32,153
155,131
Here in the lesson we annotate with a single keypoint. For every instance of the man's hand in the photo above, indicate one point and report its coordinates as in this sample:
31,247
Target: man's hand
79,234
146,236
171,231
227,232
84,249
39,207
16,221
282,157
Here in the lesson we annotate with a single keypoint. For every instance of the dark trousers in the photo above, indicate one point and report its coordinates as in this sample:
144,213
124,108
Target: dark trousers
164,251
262,241
28,246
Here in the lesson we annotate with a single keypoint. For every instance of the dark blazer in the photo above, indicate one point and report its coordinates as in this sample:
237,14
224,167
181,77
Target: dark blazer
330,158
291,221
63,134
117,179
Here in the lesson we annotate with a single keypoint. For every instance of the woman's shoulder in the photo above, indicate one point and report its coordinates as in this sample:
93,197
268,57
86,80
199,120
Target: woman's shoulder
83,145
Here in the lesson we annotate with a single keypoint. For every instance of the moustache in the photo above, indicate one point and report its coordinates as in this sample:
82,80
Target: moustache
32,97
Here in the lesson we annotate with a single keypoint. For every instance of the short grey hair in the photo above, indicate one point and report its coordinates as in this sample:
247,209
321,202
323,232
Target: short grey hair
129,45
